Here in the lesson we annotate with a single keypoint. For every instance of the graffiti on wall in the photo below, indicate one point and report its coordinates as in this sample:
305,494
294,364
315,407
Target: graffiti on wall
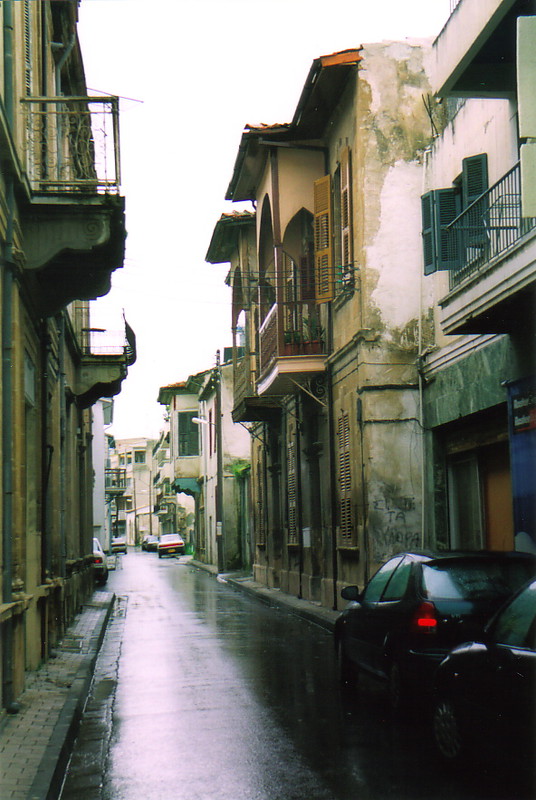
394,525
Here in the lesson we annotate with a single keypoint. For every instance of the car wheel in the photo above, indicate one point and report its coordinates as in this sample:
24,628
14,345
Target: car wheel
447,732
348,672
398,694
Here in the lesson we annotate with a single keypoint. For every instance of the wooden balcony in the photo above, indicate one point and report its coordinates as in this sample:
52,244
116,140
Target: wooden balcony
248,406
292,348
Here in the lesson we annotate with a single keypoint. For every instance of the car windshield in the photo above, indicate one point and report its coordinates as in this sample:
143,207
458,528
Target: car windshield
475,580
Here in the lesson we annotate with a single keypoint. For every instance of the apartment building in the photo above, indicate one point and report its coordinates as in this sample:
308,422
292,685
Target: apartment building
479,241
134,507
62,234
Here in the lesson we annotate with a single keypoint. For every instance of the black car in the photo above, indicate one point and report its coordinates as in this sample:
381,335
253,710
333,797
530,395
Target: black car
486,689
416,608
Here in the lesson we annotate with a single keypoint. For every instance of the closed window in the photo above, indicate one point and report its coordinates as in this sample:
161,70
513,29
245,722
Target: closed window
188,434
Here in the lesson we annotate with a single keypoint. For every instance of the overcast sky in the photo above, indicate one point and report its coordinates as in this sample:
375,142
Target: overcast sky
191,75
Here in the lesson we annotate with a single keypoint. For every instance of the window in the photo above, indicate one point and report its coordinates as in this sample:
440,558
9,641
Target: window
396,588
377,584
139,456
446,249
188,434
514,624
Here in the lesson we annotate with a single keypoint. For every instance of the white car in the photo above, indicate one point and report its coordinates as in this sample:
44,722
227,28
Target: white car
170,544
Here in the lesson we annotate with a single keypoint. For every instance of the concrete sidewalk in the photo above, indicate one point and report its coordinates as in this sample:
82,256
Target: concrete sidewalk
36,743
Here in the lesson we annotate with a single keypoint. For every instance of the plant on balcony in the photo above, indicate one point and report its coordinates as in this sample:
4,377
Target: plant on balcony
315,331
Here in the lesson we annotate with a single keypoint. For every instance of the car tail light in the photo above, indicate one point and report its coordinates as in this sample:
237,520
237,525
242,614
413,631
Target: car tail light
98,560
425,618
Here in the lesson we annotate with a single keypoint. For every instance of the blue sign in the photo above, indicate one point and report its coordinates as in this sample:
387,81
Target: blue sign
522,431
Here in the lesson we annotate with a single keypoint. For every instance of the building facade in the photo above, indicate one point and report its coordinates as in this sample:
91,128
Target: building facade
133,515
325,278
61,236
479,253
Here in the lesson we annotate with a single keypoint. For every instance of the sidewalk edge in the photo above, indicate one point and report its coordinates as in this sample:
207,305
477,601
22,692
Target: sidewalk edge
50,773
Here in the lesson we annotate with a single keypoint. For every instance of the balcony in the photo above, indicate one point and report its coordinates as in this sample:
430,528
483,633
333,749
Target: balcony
73,223
248,406
494,248
292,348
115,482
105,358
475,52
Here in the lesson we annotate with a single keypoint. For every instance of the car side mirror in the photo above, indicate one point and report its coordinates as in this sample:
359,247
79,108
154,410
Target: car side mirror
351,593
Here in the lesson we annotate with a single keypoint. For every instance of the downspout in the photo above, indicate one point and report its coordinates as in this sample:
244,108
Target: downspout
63,439
7,382
298,410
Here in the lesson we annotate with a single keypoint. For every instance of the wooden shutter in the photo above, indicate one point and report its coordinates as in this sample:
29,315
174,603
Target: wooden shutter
441,248
291,490
346,210
428,233
346,534
324,278
474,178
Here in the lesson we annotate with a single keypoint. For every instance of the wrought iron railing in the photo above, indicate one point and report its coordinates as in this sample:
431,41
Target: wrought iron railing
72,144
487,228
97,342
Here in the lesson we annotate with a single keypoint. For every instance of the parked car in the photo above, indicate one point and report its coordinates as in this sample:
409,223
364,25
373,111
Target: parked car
119,545
170,544
100,563
416,608
149,543
486,689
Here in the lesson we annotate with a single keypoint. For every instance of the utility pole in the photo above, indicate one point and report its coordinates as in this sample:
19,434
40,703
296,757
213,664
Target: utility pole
220,533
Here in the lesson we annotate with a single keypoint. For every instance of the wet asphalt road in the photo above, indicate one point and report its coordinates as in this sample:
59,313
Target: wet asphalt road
203,693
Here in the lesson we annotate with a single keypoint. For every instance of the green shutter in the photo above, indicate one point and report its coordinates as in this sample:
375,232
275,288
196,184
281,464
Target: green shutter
474,178
428,233
447,208
441,249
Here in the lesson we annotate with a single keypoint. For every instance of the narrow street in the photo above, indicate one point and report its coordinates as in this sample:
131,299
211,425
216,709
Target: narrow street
202,693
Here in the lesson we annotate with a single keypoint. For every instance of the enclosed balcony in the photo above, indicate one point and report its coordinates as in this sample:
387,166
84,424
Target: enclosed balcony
73,223
292,348
248,406
115,482
492,250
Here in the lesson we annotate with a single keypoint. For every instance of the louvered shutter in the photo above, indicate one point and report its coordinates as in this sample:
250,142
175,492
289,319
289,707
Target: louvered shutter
345,481
446,209
474,178
346,211
428,233
441,248
474,184
291,491
324,278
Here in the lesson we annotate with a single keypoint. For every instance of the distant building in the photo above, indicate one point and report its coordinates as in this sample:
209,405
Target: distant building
134,517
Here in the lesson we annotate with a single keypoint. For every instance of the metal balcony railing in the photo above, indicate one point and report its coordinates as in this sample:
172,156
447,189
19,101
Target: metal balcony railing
489,227
72,144
96,342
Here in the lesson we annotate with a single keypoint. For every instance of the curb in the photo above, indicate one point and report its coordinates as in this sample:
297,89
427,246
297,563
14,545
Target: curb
51,771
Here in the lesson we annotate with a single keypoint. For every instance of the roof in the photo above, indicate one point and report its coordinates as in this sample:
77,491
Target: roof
191,385
321,93
225,235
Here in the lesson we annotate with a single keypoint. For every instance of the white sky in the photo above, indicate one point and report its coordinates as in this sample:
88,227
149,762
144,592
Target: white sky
201,70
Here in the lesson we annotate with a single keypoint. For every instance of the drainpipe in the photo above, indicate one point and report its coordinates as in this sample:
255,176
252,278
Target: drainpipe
7,382
220,527
63,439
